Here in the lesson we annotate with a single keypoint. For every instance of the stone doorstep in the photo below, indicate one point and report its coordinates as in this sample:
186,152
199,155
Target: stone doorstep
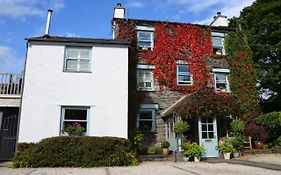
6,164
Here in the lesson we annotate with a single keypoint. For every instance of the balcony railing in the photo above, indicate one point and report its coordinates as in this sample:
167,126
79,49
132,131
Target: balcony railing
10,84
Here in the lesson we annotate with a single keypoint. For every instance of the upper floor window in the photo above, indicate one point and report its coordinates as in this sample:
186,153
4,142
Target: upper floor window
183,74
145,37
77,59
221,80
218,43
145,80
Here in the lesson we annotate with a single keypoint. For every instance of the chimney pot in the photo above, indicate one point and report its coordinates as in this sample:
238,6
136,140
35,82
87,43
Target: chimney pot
219,13
119,4
47,30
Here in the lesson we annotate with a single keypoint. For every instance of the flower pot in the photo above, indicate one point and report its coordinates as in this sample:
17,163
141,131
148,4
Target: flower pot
165,151
236,154
196,159
259,145
226,156
185,159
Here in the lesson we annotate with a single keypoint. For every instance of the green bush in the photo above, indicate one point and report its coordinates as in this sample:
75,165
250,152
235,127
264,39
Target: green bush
278,141
165,144
194,150
180,127
155,149
75,151
271,123
237,127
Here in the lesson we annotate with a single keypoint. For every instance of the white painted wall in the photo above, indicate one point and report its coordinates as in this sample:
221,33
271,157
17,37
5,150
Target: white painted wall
47,88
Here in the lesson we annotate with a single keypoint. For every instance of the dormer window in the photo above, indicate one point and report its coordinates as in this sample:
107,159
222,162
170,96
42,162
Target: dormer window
221,80
218,43
145,37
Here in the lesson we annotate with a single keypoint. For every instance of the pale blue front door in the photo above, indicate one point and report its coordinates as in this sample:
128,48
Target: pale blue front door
208,135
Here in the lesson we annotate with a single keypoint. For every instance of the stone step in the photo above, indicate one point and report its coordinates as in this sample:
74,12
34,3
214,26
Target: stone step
152,158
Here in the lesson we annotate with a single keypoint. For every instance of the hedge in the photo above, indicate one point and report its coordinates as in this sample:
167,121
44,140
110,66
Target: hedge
75,151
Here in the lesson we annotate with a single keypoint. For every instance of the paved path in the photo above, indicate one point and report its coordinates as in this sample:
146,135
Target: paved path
149,168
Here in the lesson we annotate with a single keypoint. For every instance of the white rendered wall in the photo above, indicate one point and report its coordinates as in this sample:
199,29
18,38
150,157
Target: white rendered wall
47,88
220,21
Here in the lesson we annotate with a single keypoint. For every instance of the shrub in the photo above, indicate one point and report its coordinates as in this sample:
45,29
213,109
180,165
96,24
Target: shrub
180,127
256,132
75,152
271,123
165,144
278,141
237,127
136,139
225,147
194,150
155,149
237,142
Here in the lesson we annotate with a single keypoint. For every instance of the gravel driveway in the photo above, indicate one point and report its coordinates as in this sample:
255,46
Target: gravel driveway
148,168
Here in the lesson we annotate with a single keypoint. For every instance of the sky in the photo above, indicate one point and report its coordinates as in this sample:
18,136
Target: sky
20,19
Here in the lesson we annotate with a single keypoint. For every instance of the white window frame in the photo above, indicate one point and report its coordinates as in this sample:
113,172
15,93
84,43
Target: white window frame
66,58
63,108
183,83
148,30
148,108
220,36
150,69
222,71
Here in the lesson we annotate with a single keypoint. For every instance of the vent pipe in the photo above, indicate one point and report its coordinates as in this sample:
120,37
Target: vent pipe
47,30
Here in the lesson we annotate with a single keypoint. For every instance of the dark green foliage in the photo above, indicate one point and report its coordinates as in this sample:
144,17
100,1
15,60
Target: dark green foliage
271,123
165,144
278,141
75,151
261,23
243,76
237,130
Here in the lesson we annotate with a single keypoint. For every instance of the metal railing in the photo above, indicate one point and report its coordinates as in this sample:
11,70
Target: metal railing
10,84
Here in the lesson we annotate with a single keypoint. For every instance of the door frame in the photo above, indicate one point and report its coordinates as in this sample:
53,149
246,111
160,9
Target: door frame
215,134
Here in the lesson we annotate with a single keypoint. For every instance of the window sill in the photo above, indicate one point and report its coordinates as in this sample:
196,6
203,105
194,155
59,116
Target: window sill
65,71
188,84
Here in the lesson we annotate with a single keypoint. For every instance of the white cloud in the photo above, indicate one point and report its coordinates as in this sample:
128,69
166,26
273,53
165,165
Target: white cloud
24,8
135,4
69,34
206,8
8,61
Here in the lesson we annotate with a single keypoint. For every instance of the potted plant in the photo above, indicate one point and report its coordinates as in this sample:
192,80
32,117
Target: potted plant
226,148
194,150
237,141
74,129
179,128
165,147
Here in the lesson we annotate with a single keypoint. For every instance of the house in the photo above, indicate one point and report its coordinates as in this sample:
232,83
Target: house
170,61
69,80
10,93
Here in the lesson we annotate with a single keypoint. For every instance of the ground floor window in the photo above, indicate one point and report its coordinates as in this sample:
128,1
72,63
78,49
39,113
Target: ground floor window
74,115
146,117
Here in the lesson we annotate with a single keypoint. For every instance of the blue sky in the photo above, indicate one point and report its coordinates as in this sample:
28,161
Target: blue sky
20,19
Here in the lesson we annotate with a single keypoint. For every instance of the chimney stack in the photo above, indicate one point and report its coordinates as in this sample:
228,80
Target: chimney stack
47,30
119,11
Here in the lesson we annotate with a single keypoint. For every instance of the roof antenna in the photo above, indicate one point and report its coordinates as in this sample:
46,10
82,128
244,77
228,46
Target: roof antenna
47,30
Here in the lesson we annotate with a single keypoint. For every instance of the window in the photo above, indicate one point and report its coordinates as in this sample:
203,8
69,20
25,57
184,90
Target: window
145,37
218,43
74,114
77,59
221,80
183,74
146,117
145,80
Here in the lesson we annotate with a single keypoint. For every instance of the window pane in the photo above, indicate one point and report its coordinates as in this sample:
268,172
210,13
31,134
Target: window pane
83,124
141,84
204,127
210,127
145,115
84,53
72,53
71,64
209,119
220,77
204,135
144,74
144,36
204,120
144,44
184,78
183,69
211,135
84,65
75,114
217,42
145,125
